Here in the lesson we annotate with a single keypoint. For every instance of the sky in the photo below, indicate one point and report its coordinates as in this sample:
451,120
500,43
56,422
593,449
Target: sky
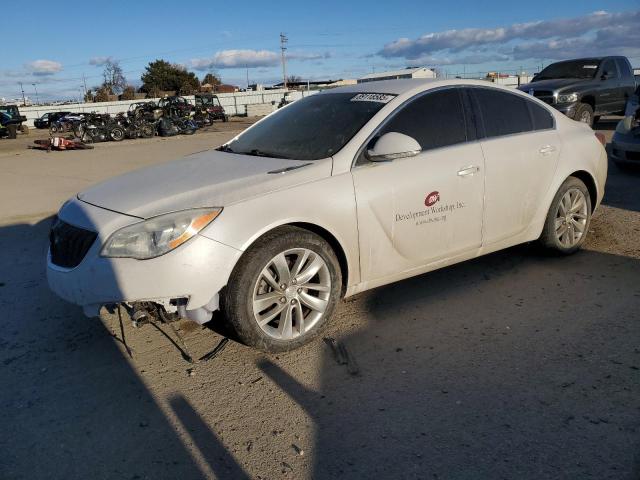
59,48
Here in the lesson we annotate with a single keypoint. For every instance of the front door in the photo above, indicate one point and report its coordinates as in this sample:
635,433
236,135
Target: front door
423,209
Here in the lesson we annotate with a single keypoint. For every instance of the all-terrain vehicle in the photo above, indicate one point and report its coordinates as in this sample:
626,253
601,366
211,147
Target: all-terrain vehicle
13,113
208,105
176,107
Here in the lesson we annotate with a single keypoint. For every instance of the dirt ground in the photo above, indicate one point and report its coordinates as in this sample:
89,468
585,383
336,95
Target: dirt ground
517,365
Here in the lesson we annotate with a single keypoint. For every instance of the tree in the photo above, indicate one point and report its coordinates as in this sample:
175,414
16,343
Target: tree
102,94
129,93
113,77
211,79
293,79
163,76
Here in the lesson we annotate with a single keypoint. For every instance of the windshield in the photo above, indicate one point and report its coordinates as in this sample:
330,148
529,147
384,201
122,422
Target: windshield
207,101
312,128
583,69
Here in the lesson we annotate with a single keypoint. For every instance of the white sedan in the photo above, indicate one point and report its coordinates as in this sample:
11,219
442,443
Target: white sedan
332,195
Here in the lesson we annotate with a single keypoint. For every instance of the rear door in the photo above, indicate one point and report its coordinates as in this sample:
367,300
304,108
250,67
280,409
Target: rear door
419,210
611,96
521,148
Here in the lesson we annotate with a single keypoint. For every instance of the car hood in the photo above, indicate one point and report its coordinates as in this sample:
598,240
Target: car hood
552,84
206,179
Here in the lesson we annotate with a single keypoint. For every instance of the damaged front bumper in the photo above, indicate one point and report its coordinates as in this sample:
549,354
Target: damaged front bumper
186,280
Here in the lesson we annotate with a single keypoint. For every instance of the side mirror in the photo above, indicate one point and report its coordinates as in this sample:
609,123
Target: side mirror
393,145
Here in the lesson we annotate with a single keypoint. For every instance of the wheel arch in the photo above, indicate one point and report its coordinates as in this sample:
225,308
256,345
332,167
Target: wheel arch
328,237
590,183
323,233
591,101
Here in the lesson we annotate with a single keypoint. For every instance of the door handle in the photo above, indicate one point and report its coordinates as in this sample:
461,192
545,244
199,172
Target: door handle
547,149
470,170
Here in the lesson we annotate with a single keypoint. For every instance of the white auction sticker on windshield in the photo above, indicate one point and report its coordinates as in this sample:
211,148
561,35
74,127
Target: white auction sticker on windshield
372,97
590,66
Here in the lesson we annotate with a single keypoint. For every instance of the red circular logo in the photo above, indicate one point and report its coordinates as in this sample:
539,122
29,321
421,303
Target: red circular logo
432,199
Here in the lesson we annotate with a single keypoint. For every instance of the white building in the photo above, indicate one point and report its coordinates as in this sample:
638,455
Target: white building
419,72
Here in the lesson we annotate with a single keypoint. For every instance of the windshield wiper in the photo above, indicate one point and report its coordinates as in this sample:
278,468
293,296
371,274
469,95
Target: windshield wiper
260,153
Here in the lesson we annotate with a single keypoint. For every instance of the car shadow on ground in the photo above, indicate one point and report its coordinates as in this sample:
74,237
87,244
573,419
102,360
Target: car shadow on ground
516,365
71,404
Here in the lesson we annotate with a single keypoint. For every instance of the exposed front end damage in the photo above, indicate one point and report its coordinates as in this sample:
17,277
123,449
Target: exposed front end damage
184,282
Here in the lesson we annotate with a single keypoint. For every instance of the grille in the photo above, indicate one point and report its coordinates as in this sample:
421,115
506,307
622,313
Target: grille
545,95
69,244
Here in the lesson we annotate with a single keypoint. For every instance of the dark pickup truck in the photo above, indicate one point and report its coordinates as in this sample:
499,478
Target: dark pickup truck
585,88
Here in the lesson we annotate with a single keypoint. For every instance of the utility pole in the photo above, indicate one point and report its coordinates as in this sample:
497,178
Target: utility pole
247,76
84,82
36,88
283,42
24,102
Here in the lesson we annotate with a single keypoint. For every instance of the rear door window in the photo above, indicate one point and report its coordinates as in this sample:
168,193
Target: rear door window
502,113
541,117
609,67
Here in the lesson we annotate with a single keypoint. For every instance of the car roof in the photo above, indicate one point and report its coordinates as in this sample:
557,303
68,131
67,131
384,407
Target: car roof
402,86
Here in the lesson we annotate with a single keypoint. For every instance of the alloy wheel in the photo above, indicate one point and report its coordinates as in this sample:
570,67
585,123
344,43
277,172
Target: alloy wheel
571,218
292,293
585,117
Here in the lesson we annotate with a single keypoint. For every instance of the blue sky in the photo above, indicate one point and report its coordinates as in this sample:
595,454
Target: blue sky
55,46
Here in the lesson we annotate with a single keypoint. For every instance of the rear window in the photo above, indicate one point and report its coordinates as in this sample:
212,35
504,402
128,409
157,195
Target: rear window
502,113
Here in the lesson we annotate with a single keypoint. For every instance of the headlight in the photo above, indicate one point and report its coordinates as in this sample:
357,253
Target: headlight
159,235
568,98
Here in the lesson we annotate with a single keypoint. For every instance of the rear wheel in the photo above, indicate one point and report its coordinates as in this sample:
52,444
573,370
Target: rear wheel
283,290
568,219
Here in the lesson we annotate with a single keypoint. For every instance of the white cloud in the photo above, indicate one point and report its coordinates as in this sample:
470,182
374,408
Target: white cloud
560,38
236,59
100,61
43,67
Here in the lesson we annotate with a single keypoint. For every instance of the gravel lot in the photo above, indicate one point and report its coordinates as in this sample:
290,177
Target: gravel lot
516,365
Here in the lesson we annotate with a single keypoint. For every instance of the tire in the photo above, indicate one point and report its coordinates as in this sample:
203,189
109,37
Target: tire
247,282
565,234
116,134
12,131
53,129
584,114
147,131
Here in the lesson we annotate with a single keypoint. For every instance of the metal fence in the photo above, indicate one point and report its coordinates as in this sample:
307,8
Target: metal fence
233,103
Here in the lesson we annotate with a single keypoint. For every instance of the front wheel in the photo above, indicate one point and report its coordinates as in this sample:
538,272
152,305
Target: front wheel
568,219
117,134
283,290
584,114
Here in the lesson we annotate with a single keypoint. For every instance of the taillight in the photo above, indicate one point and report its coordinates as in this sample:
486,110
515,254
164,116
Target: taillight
601,138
